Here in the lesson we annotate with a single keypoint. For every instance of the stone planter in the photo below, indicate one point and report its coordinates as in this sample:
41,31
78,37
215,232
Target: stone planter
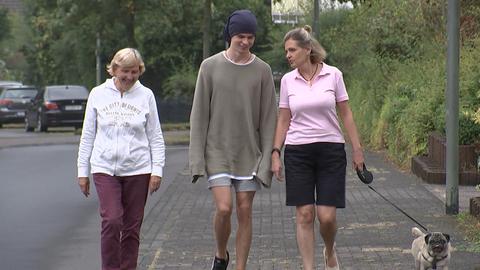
437,152
431,167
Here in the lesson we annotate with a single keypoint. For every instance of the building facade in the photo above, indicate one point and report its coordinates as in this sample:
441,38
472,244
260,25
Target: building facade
12,5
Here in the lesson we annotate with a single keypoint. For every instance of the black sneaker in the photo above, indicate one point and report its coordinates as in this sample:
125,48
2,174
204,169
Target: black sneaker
220,264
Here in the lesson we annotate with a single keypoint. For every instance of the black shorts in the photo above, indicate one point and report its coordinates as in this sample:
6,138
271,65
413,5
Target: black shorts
315,173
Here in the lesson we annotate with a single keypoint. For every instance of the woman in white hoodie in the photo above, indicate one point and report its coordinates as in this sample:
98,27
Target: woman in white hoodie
122,146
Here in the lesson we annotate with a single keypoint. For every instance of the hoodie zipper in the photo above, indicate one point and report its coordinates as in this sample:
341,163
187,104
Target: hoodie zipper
116,143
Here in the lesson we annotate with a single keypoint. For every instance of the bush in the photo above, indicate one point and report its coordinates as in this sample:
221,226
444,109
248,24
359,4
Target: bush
182,83
469,129
395,77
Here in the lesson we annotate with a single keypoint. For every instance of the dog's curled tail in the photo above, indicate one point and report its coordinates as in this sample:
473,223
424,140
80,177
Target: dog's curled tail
417,232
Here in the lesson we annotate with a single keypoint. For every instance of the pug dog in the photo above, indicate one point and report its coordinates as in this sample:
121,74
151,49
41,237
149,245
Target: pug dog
431,250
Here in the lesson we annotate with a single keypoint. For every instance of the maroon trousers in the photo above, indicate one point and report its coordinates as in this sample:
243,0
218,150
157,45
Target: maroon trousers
122,203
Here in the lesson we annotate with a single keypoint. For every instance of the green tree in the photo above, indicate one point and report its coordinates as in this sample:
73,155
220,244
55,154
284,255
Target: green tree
63,48
181,82
207,19
4,34
4,24
170,34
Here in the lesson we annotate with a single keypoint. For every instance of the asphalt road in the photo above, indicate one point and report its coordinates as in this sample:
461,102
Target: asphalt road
45,222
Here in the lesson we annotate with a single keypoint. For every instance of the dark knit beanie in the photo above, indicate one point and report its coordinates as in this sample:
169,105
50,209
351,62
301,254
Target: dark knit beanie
240,21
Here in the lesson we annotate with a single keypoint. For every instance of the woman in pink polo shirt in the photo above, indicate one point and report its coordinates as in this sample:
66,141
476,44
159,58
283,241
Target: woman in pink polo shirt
315,159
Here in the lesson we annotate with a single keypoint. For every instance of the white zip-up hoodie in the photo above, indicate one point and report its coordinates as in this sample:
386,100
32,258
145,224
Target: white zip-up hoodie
121,135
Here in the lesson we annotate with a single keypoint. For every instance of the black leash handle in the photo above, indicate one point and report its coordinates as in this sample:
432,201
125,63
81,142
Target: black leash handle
403,212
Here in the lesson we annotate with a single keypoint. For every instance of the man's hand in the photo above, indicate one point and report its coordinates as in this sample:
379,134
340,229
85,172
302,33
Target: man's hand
84,184
154,183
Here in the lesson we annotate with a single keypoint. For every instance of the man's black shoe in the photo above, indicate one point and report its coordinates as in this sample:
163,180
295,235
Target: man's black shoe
220,264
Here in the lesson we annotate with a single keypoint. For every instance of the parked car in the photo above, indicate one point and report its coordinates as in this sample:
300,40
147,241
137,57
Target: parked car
13,102
57,106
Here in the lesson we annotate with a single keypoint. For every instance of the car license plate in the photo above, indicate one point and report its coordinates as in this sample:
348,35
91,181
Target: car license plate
21,114
73,107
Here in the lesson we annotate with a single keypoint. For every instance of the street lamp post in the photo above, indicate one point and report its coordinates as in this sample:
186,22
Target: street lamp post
453,26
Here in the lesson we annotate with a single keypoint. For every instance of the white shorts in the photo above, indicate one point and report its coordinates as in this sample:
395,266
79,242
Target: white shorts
239,185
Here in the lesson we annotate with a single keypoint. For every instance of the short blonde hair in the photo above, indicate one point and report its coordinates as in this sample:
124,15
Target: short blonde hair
127,57
304,39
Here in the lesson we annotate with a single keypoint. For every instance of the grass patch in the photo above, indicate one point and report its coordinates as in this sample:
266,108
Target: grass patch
176,133
176,139
175,126
470,226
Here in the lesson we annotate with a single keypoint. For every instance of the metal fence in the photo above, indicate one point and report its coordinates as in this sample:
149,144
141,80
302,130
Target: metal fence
173,110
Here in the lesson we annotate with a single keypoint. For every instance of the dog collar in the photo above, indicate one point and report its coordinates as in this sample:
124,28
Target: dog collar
434,260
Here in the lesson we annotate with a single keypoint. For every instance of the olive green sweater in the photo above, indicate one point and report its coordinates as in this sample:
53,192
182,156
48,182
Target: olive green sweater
233,118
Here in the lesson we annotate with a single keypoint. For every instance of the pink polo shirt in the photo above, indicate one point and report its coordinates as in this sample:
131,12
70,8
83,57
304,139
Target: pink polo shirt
314,115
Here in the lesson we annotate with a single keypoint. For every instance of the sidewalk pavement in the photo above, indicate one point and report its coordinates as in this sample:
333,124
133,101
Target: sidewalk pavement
14,139
372,234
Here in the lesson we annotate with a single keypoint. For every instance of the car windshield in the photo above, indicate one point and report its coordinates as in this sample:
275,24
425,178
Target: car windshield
66,92
20,93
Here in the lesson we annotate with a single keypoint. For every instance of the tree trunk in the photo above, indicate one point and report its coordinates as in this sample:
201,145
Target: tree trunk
207,18
130,23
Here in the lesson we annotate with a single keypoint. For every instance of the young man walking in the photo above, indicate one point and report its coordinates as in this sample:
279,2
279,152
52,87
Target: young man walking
232,125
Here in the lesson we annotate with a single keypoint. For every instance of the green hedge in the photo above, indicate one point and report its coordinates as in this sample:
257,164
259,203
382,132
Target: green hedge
394,64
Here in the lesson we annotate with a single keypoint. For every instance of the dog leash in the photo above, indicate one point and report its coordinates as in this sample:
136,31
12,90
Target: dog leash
398,208
367,178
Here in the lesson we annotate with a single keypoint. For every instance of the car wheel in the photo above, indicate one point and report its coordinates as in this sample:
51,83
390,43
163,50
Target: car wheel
41,126
28,128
